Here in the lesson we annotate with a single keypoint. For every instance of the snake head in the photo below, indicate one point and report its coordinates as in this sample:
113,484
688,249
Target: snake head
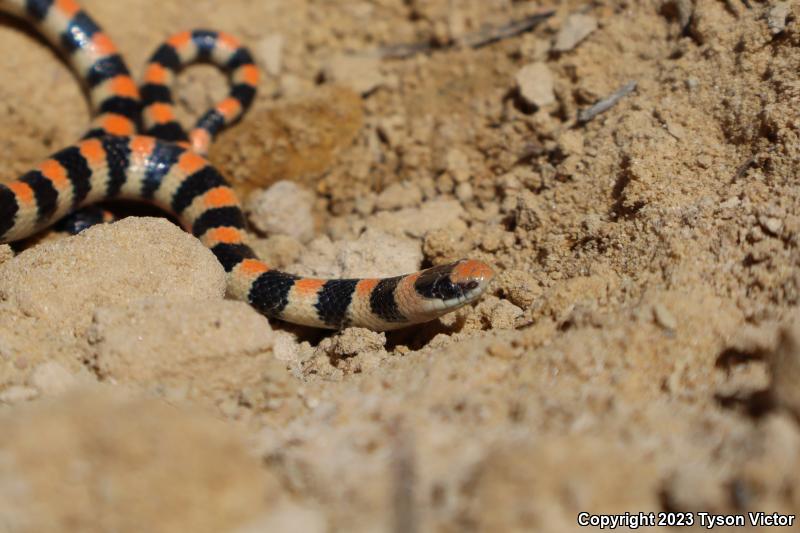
448,287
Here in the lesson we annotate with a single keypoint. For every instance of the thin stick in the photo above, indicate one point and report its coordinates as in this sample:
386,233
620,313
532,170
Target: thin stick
605,104
473,40
511,29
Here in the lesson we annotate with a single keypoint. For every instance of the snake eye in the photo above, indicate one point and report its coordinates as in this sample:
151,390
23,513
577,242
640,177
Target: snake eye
470,285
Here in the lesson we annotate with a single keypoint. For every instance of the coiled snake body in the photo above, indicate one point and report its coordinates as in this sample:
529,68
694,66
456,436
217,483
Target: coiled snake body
166,166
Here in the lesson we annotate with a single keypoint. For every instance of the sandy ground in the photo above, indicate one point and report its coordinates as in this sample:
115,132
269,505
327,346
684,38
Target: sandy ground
639,351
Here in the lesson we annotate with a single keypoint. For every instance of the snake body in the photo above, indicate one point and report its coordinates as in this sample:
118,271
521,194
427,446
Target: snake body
166,166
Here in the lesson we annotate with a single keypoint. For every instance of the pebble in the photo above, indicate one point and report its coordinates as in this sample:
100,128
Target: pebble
283,209
535,83
270,51
704,161
362,74
393,129
17,393
457,164
399,195
6,253
575,29
464,192
771,225
784,364
52,378
776,18
664,318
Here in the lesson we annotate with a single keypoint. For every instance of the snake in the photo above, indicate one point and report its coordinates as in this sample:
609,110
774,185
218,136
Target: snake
136,149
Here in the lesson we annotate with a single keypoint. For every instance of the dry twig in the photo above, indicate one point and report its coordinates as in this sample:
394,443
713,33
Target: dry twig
476,39
605,104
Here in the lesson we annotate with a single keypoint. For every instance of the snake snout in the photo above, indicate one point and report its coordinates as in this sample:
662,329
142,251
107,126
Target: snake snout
455,283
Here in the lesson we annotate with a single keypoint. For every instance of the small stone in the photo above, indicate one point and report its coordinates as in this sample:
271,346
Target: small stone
285,347
52,378
576,28
295,86
393,129
776,18
519,287
416,222
493,312
351,342
664,318
283,209
730,203
501,350
457,165
270,50
675,129
535,83
527,214
6,253
771,225
492,238
704,161
17,393
362,74
399,195
278,251
464,192
784,365
692,83
447,244
685,9
376,253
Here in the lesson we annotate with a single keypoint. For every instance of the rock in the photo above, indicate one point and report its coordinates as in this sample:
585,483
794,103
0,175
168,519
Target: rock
6,253
399,195
270,51
447,244
685,8
776,18
52,378
393,129
285,347
296,140
664,317
464,192
360,73
374,254
354,349
575,29
416,222
549,483
163,343
457,164
17,393
492,313
283,209
352,341
502,314
771,225
289,517
278,251
520,287
527,214
64,281
694,486
535,84
96,461
784,365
